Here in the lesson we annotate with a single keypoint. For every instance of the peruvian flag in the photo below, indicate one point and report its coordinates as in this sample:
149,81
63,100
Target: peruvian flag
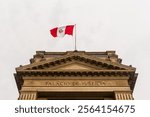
62,31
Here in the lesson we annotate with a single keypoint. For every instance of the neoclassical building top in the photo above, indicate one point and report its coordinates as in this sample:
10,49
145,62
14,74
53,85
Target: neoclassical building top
76,64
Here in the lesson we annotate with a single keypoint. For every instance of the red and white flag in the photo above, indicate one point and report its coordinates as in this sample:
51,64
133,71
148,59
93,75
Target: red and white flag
62,31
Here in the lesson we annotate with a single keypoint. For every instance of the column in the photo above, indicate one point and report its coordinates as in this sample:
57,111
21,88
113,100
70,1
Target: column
123,95
24,95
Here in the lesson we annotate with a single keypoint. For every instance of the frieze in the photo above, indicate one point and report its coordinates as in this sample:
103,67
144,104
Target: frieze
76,83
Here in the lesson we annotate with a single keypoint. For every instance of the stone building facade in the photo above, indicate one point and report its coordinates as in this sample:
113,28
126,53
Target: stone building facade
75,75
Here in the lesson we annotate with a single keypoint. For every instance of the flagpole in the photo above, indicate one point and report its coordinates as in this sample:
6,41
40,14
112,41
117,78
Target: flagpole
75,38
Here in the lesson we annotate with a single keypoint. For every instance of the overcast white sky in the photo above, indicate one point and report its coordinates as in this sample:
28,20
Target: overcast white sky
121,25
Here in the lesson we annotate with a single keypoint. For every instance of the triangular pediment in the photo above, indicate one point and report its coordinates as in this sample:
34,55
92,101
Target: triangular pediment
74,66
75,62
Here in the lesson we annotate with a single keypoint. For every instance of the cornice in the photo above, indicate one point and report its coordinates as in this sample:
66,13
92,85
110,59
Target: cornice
75,57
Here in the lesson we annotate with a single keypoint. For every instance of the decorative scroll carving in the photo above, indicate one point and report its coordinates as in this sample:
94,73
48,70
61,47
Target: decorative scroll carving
28,96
